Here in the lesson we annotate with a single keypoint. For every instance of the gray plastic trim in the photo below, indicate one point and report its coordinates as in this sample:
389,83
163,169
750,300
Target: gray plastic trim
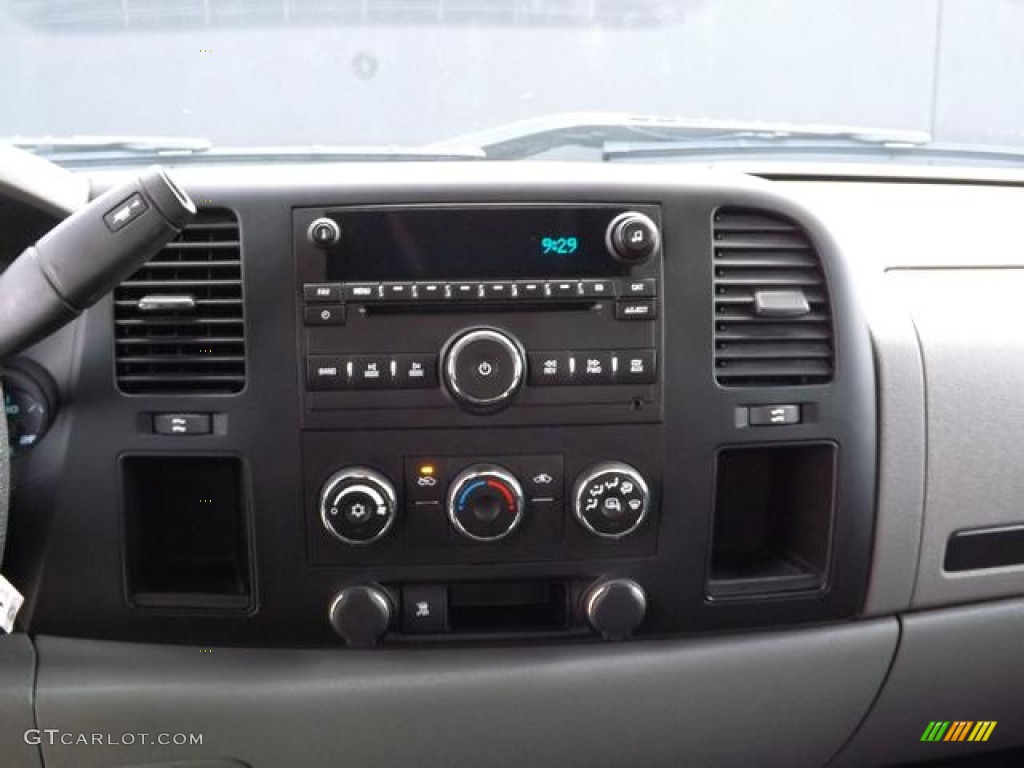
956,664
901,461
17,677
969,323
651,704
40,183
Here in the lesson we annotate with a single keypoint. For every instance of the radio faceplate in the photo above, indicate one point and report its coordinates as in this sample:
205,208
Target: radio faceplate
453,316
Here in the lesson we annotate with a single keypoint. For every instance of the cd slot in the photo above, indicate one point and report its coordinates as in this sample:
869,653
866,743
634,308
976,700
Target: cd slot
419,308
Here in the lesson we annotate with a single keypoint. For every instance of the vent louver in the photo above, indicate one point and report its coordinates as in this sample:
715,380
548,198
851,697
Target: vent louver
773,322
179,325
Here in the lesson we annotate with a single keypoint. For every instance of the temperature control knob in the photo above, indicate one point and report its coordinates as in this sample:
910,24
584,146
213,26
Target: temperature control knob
615,607
483,369
611,500
632,237
358,505
485,503
360,615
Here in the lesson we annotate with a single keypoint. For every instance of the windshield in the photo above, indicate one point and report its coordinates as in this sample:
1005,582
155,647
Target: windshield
277,74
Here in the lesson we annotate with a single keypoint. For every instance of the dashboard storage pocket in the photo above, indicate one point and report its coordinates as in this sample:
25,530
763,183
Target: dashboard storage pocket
186,533
773,520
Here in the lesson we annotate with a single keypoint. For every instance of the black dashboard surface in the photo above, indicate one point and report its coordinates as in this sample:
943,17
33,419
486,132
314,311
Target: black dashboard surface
283,443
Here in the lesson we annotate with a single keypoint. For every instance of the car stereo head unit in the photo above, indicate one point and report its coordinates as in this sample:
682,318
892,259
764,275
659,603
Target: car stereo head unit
485,243
452,315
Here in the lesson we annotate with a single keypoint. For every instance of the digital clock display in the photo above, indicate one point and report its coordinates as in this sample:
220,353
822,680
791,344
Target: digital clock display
559,246
473,243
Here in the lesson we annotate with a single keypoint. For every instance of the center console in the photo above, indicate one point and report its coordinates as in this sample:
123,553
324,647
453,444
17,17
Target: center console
483,427
494,319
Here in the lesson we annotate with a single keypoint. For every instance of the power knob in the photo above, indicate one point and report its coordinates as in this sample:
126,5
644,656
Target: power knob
361,615
615,607
324,232
483,369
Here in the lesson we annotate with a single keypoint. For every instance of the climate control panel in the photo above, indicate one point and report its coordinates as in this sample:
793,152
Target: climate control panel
509,507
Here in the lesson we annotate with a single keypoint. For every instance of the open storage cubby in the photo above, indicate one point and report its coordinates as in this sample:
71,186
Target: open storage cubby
186,532
773,520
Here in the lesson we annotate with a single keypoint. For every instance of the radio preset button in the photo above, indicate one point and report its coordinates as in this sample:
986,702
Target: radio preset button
499,291
636,309
465,291
431,291
324,314
559,289
598,289
361,291
531,289
398,291
329,293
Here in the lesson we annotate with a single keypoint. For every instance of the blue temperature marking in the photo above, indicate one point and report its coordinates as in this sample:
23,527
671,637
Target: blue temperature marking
469,489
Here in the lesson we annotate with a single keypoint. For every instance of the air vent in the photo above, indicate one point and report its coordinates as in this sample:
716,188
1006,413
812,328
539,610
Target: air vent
178,319
773,324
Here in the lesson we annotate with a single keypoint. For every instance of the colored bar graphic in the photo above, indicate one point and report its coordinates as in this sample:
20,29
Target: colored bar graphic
958,730
935,730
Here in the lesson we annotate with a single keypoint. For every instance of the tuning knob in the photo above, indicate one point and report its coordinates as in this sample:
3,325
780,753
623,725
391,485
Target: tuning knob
632,237
484,369
361,615
358,505
615,607
485,503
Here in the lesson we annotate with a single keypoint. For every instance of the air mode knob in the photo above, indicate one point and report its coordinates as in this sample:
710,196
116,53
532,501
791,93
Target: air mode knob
361,615
483,369
485,503
632,237
358,505
611,500
615,607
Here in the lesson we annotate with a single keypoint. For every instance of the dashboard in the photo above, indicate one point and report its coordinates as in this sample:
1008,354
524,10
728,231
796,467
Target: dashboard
411,432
